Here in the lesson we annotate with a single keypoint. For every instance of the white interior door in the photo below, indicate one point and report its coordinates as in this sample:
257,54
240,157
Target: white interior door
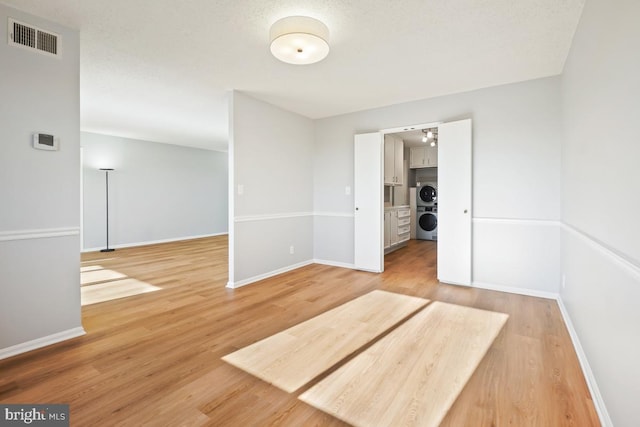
454,202
368,213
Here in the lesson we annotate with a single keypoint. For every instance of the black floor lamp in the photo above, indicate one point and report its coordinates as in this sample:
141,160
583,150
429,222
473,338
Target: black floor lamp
106,172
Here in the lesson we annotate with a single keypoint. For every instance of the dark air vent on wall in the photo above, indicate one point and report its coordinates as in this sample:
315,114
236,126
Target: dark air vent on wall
23,35
30,37
48,42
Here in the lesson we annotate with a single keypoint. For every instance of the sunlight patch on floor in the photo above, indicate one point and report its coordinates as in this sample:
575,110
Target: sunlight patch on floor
113,290
99,285
96,276
90,268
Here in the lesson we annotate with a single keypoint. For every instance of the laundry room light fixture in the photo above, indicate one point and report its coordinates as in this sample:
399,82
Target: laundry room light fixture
429,135
299,40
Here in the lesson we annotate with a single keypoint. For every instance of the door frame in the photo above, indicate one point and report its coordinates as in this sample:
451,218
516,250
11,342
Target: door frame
411,127
382,133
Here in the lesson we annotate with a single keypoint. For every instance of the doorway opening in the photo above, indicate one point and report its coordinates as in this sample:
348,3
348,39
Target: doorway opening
411,195
410,186
384,216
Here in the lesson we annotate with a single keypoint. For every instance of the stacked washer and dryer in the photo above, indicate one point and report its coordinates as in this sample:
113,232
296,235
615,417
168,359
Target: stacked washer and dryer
427,211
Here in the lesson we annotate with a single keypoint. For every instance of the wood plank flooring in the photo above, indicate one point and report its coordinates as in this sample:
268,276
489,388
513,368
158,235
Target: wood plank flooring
412,376
154,359
295,356
114,289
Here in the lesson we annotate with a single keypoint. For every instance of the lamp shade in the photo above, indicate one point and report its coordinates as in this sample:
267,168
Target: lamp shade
299,40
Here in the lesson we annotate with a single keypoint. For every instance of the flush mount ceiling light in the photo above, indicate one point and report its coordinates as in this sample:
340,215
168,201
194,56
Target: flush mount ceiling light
299,40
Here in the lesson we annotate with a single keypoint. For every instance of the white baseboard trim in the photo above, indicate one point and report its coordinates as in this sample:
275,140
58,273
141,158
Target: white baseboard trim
369,270
598,402
449,282
155,242
244,282
514,290
41,342
334,263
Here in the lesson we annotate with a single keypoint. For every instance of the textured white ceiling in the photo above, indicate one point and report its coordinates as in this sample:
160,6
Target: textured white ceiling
160,69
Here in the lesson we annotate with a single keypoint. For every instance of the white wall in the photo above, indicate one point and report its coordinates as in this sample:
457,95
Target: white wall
516,161
40,191
157,191
601,188
271,150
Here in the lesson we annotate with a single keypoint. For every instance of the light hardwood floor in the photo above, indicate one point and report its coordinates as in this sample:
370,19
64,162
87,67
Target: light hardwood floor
417,370
154,359
295,356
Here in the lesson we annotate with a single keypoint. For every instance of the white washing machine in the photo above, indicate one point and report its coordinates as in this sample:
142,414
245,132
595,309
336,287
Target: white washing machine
427,222
427,194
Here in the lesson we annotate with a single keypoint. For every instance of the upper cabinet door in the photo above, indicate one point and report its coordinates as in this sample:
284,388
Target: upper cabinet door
432,156
423,157
393,160
399,161
389,160
417,157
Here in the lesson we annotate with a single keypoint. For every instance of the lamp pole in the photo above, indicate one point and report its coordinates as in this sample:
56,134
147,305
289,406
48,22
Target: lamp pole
106,174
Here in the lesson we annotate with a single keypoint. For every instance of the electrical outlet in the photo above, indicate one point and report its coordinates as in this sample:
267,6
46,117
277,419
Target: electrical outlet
292,250
347,190
564,281
240,189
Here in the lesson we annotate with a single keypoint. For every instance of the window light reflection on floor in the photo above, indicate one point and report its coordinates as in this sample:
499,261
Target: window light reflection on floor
99,285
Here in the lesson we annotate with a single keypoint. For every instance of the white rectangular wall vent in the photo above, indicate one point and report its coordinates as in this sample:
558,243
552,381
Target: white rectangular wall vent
30,37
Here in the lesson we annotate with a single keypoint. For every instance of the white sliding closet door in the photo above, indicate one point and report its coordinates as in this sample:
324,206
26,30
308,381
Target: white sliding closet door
454,202
368,209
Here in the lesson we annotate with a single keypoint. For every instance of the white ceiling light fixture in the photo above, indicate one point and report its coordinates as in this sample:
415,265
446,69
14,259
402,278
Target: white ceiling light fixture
299,40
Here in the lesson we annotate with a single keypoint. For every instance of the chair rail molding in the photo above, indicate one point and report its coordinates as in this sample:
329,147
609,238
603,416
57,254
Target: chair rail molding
270,217
41,233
